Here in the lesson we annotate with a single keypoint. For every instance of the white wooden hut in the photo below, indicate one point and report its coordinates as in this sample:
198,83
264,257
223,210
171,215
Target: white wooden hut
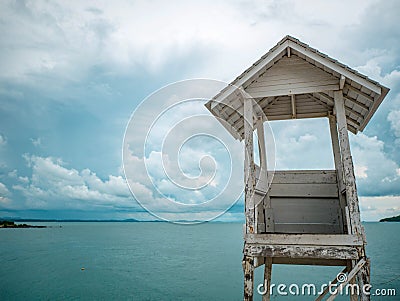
307,217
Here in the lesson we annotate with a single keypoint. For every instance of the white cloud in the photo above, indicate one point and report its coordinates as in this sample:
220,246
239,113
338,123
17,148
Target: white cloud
377,173
13,173
68,38
3,140
54,186
36,142
394,119
303,144
4,195
376,208
373,70
361,171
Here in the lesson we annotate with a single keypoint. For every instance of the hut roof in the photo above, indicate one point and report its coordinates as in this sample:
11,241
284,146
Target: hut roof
290,68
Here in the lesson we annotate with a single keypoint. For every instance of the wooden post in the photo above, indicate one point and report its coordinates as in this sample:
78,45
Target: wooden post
336,151
338,167
348,169
262,179
248,269
262,150
249,167
267,279
350,184
363,278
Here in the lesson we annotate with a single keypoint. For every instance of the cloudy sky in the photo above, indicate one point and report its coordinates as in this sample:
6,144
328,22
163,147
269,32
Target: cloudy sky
74,71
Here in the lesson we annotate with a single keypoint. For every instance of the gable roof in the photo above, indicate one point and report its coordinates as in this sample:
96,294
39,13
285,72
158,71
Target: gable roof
294,80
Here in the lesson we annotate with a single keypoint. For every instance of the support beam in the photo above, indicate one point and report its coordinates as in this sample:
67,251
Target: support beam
249,166
262,149
350,265
293,100
248,269
288,52
363,277
326,290
267,279
336,151
365,95
339,169
348,168
350,276
342,81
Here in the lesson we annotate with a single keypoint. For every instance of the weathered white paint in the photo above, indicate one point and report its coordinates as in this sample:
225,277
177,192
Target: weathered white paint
249,166
304,239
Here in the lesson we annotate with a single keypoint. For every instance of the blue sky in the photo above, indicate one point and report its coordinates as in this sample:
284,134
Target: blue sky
74,71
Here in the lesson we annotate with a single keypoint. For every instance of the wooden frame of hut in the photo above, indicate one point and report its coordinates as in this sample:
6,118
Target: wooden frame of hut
305,217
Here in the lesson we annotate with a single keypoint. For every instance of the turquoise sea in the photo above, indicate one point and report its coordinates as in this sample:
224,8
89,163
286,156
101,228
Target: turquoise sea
159,261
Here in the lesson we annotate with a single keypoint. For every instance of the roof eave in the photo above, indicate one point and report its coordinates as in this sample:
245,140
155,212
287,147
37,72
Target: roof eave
374,108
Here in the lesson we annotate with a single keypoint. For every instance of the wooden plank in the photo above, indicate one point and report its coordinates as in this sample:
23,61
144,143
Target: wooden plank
363,94
259,213
307,228
315,109
304,176
299,90
358,103
304,190
292,251
296,77
249,166
287,84
305,210
309,261
298,116
304,239
307,215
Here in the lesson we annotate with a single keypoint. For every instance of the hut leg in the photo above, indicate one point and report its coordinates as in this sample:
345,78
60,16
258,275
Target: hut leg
350,265
267,279
248,269
363,280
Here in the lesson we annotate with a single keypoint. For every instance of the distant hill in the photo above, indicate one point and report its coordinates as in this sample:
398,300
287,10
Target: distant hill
66,220
391,219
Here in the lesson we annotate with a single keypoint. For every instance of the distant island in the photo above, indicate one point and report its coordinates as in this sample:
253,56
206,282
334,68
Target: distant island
10,224
391,219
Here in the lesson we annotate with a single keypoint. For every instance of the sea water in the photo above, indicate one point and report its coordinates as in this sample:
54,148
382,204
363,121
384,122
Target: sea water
160,261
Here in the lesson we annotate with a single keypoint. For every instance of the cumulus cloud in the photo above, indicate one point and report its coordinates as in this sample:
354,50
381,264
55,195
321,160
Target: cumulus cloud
68,38
376,208
303,144
47,45
4,195
394,119
54,186
377,173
